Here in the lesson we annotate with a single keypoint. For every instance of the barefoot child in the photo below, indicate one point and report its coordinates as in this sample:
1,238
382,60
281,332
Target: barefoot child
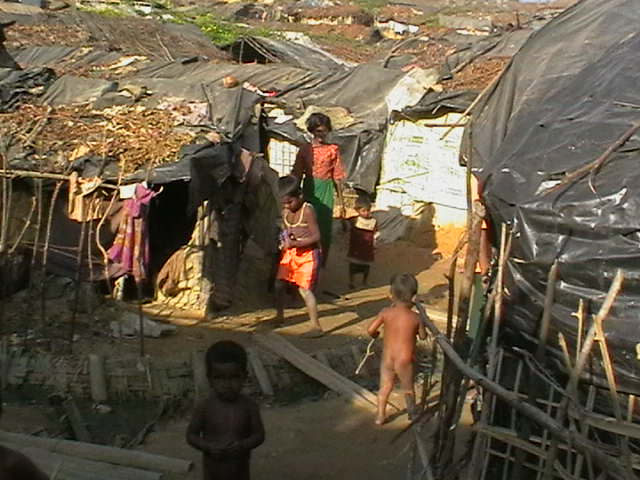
301,254
401,325
227,425
361,242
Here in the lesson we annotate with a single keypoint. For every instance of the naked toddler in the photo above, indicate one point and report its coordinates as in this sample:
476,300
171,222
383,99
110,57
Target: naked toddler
401,326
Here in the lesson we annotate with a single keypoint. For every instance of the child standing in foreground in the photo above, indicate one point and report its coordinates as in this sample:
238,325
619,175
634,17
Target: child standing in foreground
301,254
361,242
401,325
227,425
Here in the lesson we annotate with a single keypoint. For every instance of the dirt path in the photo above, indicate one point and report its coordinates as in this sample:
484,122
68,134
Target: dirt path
310,440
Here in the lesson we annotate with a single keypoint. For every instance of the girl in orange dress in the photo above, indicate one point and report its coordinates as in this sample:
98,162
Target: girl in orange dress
301,255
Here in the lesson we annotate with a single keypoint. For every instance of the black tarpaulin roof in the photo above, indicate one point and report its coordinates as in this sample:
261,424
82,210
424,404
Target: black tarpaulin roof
129,35
568,95
279,50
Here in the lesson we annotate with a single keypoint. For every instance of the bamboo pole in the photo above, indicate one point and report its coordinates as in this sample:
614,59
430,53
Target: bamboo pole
4,259
45,252
10,173
580,314
463,121
451,377
78,278
105,255
613,390
4,214
480,441
543,333
94,207
565,351
36,239
25,227
594,167
574,377
534,384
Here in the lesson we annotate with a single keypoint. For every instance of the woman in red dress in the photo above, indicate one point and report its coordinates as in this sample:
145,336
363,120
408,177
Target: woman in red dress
320,167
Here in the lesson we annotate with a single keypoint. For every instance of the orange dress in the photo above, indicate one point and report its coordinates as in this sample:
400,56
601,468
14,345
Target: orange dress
300,265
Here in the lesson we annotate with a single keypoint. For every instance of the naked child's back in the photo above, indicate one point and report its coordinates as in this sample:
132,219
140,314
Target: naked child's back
401,326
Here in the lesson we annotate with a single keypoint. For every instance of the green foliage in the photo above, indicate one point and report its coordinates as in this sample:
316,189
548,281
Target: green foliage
371,6
106,11
432,21
221,32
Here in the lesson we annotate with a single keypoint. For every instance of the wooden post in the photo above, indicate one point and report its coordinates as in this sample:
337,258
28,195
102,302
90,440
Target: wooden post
97,378
543,333
475,468
200,380
613,390
452,377
260,372
78,425
78,279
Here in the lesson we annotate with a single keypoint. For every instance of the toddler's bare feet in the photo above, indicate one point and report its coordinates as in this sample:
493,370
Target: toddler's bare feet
313,333
380,420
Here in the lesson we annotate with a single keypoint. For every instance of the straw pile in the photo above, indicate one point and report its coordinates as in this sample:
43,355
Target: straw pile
136,136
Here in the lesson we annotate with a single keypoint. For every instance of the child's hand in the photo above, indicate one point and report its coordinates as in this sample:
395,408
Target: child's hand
375,334
234,448
216,450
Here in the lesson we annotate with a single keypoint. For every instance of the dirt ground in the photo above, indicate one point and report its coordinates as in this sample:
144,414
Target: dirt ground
310,440
328,438
319,439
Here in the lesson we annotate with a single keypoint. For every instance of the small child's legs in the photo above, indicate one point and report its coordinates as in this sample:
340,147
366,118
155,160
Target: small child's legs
387,377
280,290
312,308
356,268
405,372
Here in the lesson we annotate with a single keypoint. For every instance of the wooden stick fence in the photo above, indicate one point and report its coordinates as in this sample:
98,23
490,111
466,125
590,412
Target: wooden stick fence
559,439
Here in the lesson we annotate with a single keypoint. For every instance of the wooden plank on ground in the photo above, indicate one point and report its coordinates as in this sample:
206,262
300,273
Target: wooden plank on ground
64,467
315,369
260,372
100,453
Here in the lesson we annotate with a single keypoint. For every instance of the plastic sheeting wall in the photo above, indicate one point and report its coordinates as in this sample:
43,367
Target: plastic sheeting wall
567,96
282,155
419,166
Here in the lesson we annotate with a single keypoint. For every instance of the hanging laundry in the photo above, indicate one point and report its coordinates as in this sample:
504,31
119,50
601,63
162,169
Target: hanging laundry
129,253
81,207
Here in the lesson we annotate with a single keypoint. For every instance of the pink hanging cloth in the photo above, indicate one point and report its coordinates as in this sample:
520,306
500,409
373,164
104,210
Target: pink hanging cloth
129,253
